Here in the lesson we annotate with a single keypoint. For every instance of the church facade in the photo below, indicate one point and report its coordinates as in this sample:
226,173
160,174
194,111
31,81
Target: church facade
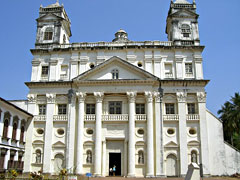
138,106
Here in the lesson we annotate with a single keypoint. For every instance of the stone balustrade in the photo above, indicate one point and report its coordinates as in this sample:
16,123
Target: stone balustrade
40,118
90,117
171,117
115,117
193,117
189,75
140,117
60,118
168,75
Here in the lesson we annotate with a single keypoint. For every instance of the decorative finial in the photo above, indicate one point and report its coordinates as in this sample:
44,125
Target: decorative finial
194,1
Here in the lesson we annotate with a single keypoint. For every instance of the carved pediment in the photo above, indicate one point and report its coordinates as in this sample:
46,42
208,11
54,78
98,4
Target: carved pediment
184,13
171,144
58,144
193,143
49,16
125,70
38,142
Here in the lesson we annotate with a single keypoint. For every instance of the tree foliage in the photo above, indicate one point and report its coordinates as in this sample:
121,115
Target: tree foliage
230,115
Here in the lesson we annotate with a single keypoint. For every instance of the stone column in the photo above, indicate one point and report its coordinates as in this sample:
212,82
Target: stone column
19,131
1,124
29,134
7,157
71,132
181,97
104,158
80,128
150,151
201,96
10,129
159,134
98,133
51,98
125,158
131,134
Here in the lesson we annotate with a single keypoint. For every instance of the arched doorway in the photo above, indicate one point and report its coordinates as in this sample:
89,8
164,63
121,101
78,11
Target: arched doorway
171,166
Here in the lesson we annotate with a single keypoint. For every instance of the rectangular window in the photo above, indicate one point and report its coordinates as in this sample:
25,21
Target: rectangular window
188,68
42,109
140,108
191,108
90,109
44,70
62,109
185,34
115,107
170,108
48,35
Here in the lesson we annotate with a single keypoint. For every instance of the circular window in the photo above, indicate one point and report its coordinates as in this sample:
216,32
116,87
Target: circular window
171,131
40,131
140,131
91,65
139,64
89,131
192,131
60,131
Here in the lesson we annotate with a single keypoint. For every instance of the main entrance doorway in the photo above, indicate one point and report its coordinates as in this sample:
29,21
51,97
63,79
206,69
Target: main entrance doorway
115,160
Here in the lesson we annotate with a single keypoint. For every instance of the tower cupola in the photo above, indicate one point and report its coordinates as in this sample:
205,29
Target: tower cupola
182,23
121,36
53,25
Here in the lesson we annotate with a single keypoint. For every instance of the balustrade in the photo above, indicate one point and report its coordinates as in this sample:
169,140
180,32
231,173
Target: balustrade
193,117
168,75
140,117
40,118
115,117
60,118
171,117
90,117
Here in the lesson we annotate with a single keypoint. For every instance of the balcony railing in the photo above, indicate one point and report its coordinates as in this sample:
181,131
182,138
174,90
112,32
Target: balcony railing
193,117
140,117
18,165
168,75
189,75
63,76
115,117
60,118
171,117
44,77
40,118
90,117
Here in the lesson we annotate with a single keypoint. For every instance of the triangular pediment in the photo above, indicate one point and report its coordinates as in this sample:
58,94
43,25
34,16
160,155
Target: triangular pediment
126,71
58,144
171,144
49,16
184,13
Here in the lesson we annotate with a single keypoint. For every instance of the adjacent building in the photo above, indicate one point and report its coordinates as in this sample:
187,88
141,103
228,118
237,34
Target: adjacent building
139,106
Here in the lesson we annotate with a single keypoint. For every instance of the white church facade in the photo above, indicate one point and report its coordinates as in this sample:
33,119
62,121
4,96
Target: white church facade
139,106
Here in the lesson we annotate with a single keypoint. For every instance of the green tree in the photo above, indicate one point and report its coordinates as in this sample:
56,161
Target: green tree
230,115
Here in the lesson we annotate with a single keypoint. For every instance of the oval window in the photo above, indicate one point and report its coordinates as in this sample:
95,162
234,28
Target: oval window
139,64
170,131
140,131
60,131
91,65
90,131
40,131
192,131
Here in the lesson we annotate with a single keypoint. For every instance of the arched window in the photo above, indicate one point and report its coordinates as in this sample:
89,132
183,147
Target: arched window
48,34
185,30
22,134
14,133
115,74
38,156
89,157
140,157
5,129
194,156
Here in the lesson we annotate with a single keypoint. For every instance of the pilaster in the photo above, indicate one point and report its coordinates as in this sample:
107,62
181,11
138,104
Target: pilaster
29,124
71,131
53,69
98,137
104,148
159,134
181,97
198,67
10,129
35,69
73,68
18,131
80,128
51,98
179,67
7,157
150,151
201,96
131,134
1,124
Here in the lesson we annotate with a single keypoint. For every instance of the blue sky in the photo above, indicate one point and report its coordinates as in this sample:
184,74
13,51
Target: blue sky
98,20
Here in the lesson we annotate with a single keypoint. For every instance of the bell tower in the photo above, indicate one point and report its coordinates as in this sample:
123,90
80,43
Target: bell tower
53,25
182,23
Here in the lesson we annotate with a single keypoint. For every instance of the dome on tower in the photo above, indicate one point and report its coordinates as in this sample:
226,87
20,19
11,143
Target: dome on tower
121,36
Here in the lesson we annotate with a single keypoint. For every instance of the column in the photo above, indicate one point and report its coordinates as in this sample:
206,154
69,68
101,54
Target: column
71,131
29,134
131,134
98,137
1,124
181,97
53,69
80,128
104,158
7,157
10,129
150,129
19,131
16,156
51,98
159,134
125,158
201,96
